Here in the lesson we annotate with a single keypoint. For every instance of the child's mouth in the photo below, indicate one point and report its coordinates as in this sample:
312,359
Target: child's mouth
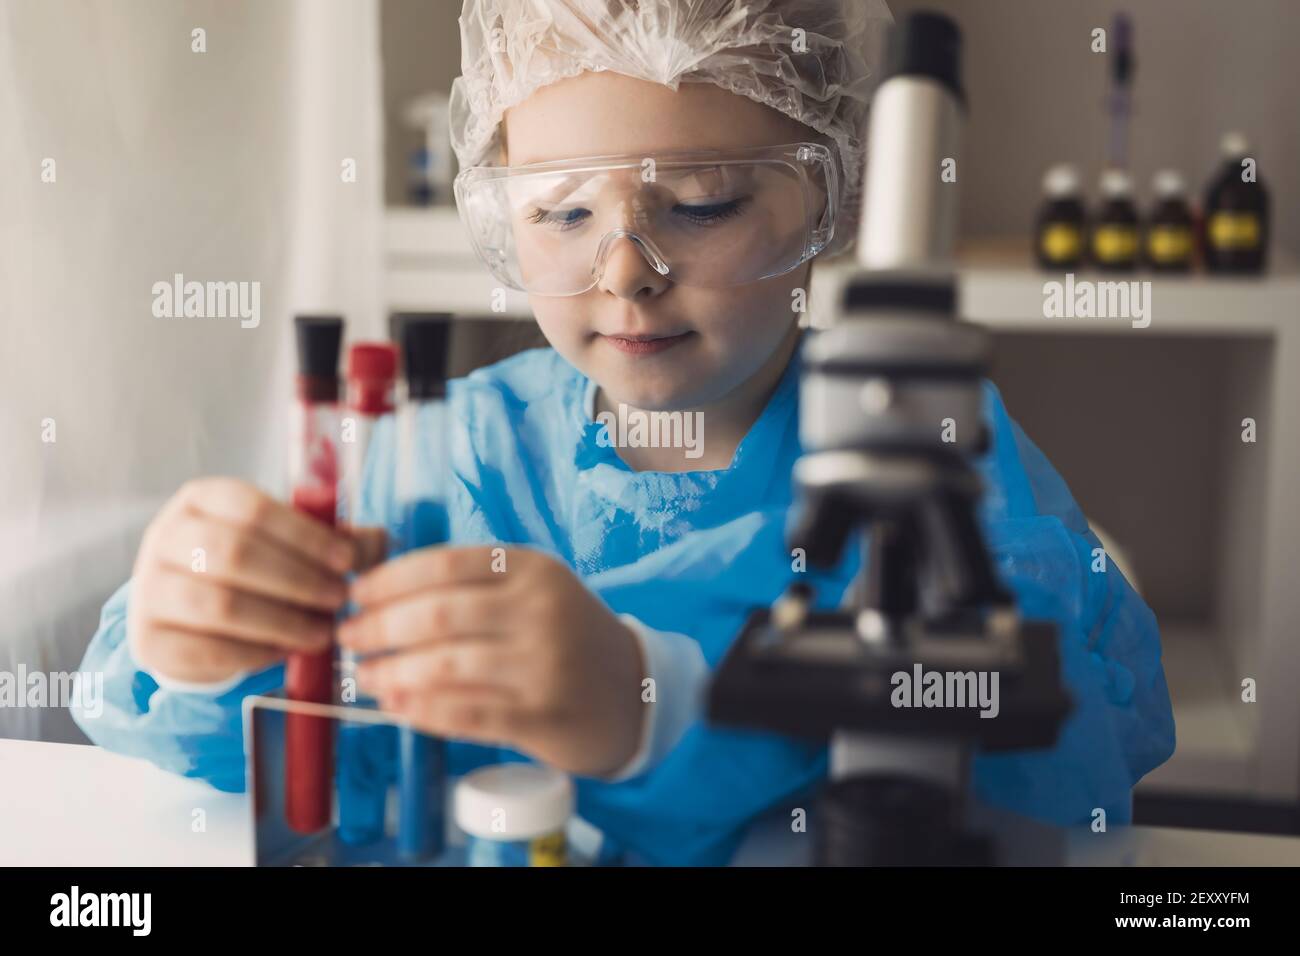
645,344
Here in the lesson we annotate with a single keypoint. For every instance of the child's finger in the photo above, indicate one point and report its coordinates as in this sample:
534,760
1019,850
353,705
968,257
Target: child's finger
422,569
425,617
372,546
483,661
482,715
250,562
241,504
190,602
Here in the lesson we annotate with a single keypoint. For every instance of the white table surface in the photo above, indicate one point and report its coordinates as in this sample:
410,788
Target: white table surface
76,805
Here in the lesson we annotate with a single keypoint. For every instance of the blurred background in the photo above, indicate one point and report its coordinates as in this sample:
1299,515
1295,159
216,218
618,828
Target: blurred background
226,164
1036,92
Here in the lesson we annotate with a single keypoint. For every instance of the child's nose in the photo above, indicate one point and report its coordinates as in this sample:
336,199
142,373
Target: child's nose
627,270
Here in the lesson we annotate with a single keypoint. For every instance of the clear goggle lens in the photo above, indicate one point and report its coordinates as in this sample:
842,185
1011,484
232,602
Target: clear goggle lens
711,220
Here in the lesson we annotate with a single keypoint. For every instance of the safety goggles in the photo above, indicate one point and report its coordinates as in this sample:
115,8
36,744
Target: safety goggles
710,219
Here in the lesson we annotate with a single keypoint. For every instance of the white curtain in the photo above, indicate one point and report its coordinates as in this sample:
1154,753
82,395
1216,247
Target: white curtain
127,156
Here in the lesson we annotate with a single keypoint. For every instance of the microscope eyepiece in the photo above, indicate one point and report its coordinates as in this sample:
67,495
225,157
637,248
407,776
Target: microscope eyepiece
927,44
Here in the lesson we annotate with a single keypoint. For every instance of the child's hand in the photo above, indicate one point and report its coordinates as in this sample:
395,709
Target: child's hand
228,579
526,657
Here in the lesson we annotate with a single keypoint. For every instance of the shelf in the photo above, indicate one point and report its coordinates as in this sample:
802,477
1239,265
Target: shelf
1002,288
466,292
420,234
431,267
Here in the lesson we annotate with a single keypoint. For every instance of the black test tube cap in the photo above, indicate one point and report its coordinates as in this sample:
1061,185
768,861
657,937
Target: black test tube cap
926,44
425,341
320,341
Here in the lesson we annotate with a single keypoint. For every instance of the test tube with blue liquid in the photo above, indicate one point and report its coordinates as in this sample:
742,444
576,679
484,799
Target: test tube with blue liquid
424,478
366,752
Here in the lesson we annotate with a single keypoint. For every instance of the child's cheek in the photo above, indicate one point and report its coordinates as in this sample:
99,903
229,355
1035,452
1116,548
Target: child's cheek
750,318
565,324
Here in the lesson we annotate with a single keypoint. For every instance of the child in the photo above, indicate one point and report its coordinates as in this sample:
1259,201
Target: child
667,292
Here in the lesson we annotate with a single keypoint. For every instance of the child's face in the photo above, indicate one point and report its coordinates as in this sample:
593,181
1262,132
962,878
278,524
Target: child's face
723,336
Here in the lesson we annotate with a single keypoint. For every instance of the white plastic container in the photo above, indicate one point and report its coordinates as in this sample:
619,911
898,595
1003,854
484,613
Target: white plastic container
514,815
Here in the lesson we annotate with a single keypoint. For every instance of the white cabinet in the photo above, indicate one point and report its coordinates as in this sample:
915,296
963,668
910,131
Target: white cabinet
1146,427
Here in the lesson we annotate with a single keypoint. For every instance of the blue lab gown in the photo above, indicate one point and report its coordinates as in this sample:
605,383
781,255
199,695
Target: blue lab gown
695,553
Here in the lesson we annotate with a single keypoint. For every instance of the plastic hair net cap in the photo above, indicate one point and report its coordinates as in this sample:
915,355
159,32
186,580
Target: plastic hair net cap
823,77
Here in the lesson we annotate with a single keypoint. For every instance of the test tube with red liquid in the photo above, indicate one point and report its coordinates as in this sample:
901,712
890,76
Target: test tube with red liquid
313,475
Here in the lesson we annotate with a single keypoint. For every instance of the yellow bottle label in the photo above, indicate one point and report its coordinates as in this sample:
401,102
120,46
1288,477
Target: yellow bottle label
1234,230
1169,244
1114,243
547,850
1061,242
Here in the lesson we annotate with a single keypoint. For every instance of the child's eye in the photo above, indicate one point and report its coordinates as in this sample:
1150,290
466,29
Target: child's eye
710,213
560,219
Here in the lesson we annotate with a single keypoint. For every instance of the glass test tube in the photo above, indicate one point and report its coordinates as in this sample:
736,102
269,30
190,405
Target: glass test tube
423,482
313,476
365,751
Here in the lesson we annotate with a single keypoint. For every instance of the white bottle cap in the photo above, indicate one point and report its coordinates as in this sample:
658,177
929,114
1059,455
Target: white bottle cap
1234,144
513,801
1115,183
1061,181
1168,184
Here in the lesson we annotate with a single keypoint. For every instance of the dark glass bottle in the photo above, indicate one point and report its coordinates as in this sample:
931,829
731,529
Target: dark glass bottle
1236,214
1170,237
1114,236
1060,232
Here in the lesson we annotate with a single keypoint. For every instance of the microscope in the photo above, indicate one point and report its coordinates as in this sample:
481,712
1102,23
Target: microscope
890,418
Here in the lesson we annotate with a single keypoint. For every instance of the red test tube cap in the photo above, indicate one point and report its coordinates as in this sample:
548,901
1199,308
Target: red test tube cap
372,362
372,371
